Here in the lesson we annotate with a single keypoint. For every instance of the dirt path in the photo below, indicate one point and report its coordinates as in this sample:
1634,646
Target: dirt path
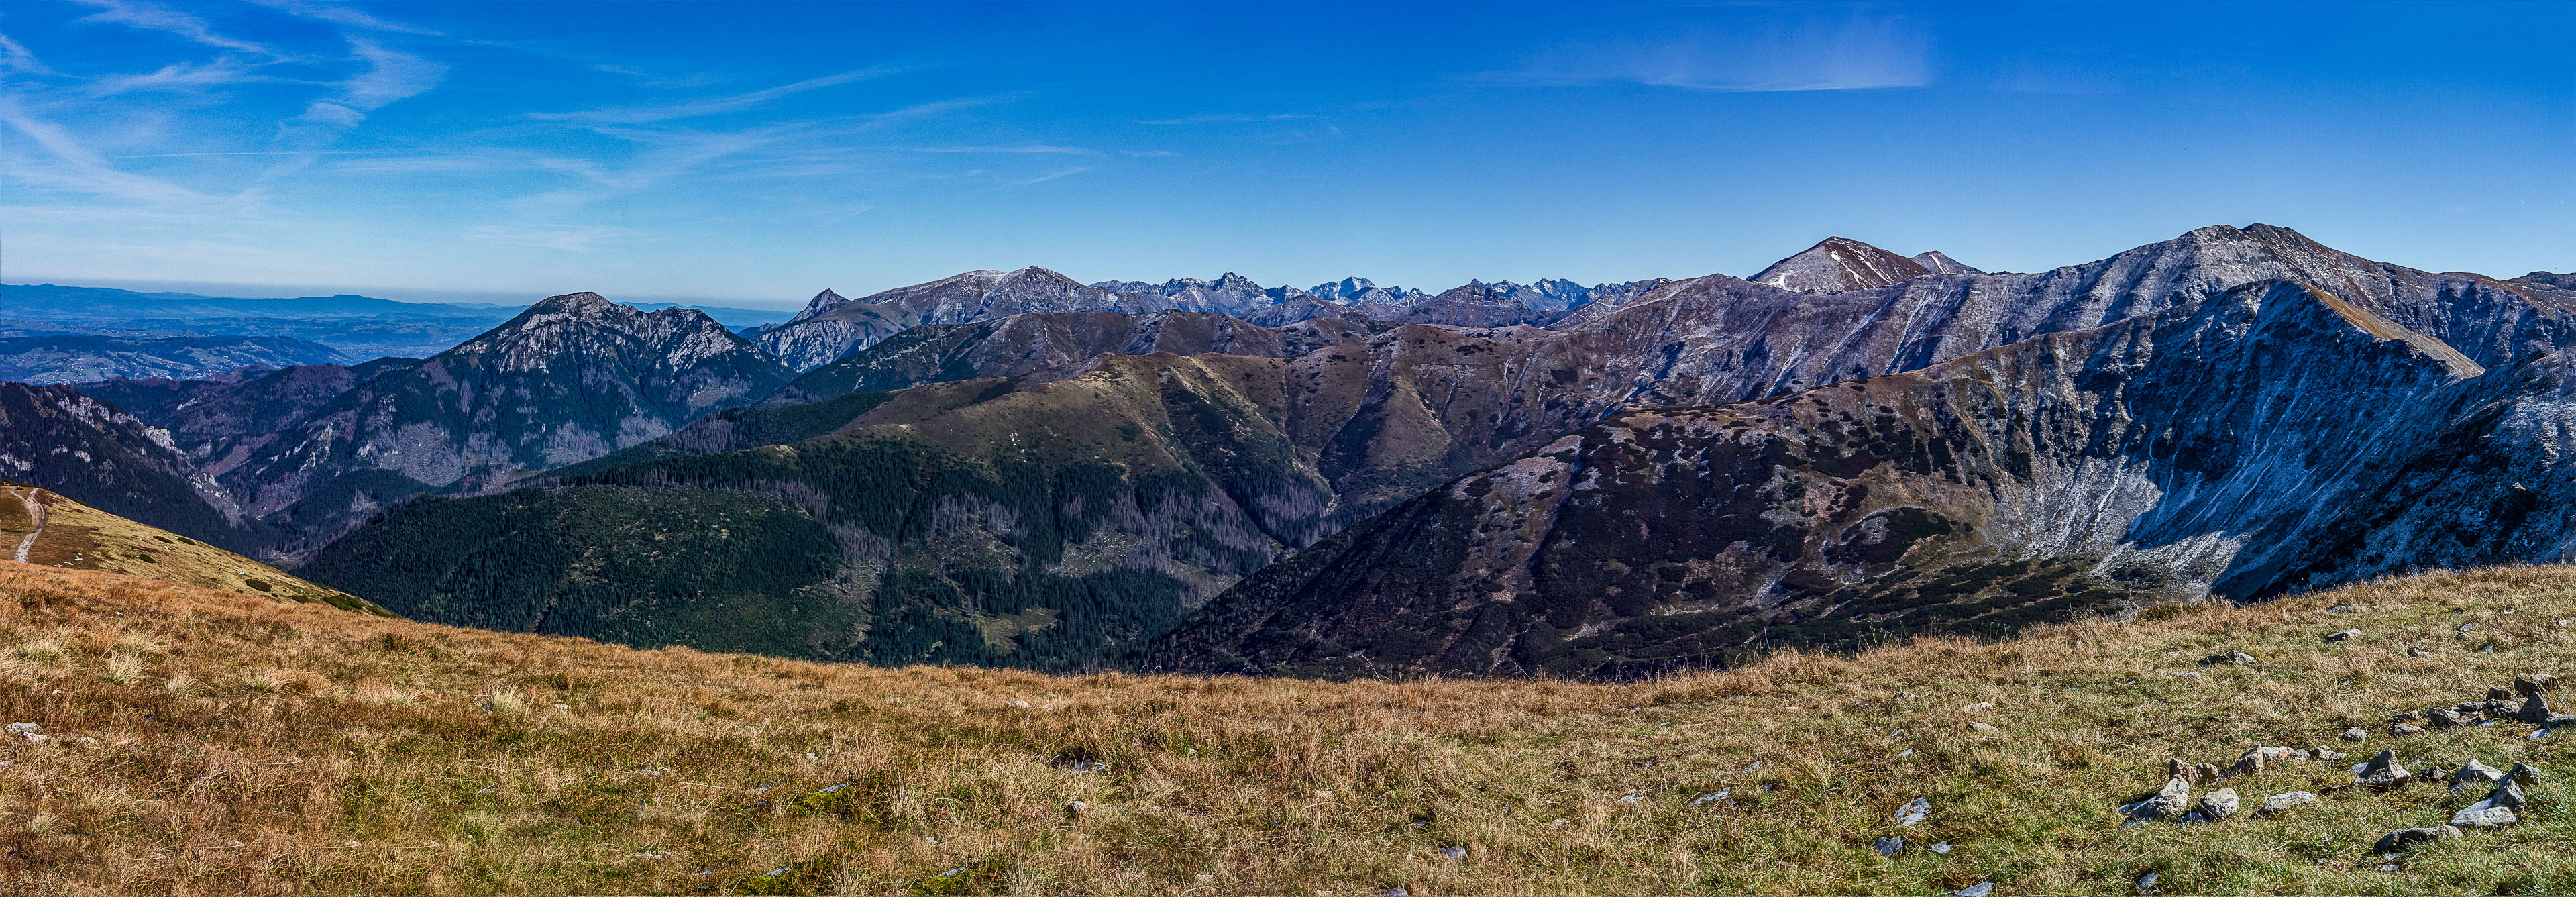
35,512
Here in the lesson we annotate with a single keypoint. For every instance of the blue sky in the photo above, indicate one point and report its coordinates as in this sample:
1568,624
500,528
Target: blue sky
758,152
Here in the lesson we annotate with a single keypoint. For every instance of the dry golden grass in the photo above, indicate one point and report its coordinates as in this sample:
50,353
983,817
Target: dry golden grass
245,746
79,537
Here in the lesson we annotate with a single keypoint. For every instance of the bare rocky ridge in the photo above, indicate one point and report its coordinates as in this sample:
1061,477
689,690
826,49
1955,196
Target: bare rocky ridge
100,455
831,327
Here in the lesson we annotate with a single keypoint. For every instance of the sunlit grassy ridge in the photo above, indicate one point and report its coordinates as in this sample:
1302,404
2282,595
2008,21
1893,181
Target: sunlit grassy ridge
250,746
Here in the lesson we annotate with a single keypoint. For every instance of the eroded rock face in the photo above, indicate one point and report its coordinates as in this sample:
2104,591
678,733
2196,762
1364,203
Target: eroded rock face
831,327
2067,473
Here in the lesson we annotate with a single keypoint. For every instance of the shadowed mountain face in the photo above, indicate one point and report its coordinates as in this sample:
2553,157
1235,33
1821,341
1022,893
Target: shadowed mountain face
1041,341
2225,445
102,456
571,378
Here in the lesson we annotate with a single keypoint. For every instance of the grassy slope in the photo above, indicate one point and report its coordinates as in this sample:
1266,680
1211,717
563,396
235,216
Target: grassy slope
81,537
249,746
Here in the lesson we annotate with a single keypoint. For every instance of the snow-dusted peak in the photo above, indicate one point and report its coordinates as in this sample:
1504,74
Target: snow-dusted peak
1840,264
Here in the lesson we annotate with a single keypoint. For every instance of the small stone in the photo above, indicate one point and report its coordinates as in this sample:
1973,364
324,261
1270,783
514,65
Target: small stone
2484,815
2534,710
2147,883
2323,754
2404,729
2498,694
2474,774
2414,652
2508,794
1941,847
1396,891
1719,794
2526,686
23,728
2343,636
2401,840
1558,822
2218,804
1975,726
34,738
1024,705
2382,773
1632,798
2284,801
1453,853
2523,773
2168,802
1888,846
2205,773
2339,609
2443,718
2232,658
2250,763
1980,889
1076,808
1914,811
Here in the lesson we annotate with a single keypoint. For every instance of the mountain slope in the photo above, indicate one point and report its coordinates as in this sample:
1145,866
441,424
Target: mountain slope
580,767
96,453
74,359
1038,341
219,421
571,378
41,527
2212,447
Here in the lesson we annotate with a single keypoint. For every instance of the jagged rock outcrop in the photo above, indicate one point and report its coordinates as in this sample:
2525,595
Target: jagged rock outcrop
219,421
573,377
831,327
1939,263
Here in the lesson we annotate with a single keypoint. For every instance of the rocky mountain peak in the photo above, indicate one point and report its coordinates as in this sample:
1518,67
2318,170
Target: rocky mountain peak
1939,263
823,300
1840,265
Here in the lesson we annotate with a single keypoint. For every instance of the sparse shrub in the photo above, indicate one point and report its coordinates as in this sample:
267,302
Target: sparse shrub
140,643
378,694
122,669
867,798
179,685
987,877
505,700
42,649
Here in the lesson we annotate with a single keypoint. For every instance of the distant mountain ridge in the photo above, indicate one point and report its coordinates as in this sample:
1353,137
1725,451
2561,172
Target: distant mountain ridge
73,359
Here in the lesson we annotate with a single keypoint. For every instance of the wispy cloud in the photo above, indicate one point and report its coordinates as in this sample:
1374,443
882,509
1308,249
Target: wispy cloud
154,17
1225,119
14,57
637,115
1147,154
177,76
390,75
341,14
1855,53
76,167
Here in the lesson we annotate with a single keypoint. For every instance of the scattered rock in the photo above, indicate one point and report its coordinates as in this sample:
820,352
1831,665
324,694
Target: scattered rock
2218,804
2508,794
1719,794
2382,773
2323,754
34,738
1632,798
2484,815
2404,839
2404,729
2343,636
2167,803
2248,764
2533,684
2535,710
2443,718
1914,811
1980,889
1941,847
2415,652
2523,773
23,728
1888,846
1975,726
2356,733
1076,809
2284,801
2474,773
2498,694
2147,883
1453,853
2233,658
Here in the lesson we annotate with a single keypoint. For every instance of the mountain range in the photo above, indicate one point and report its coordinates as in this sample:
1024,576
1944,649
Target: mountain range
1016,468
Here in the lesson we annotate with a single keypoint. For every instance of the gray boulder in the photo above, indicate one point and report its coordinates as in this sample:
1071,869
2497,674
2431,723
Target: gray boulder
2345,635
2284,801
2167,803
2356,733
2218,804
2382,773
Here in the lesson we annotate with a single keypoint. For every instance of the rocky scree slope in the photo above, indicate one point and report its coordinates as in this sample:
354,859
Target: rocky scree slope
572,377
832,327
1042,341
